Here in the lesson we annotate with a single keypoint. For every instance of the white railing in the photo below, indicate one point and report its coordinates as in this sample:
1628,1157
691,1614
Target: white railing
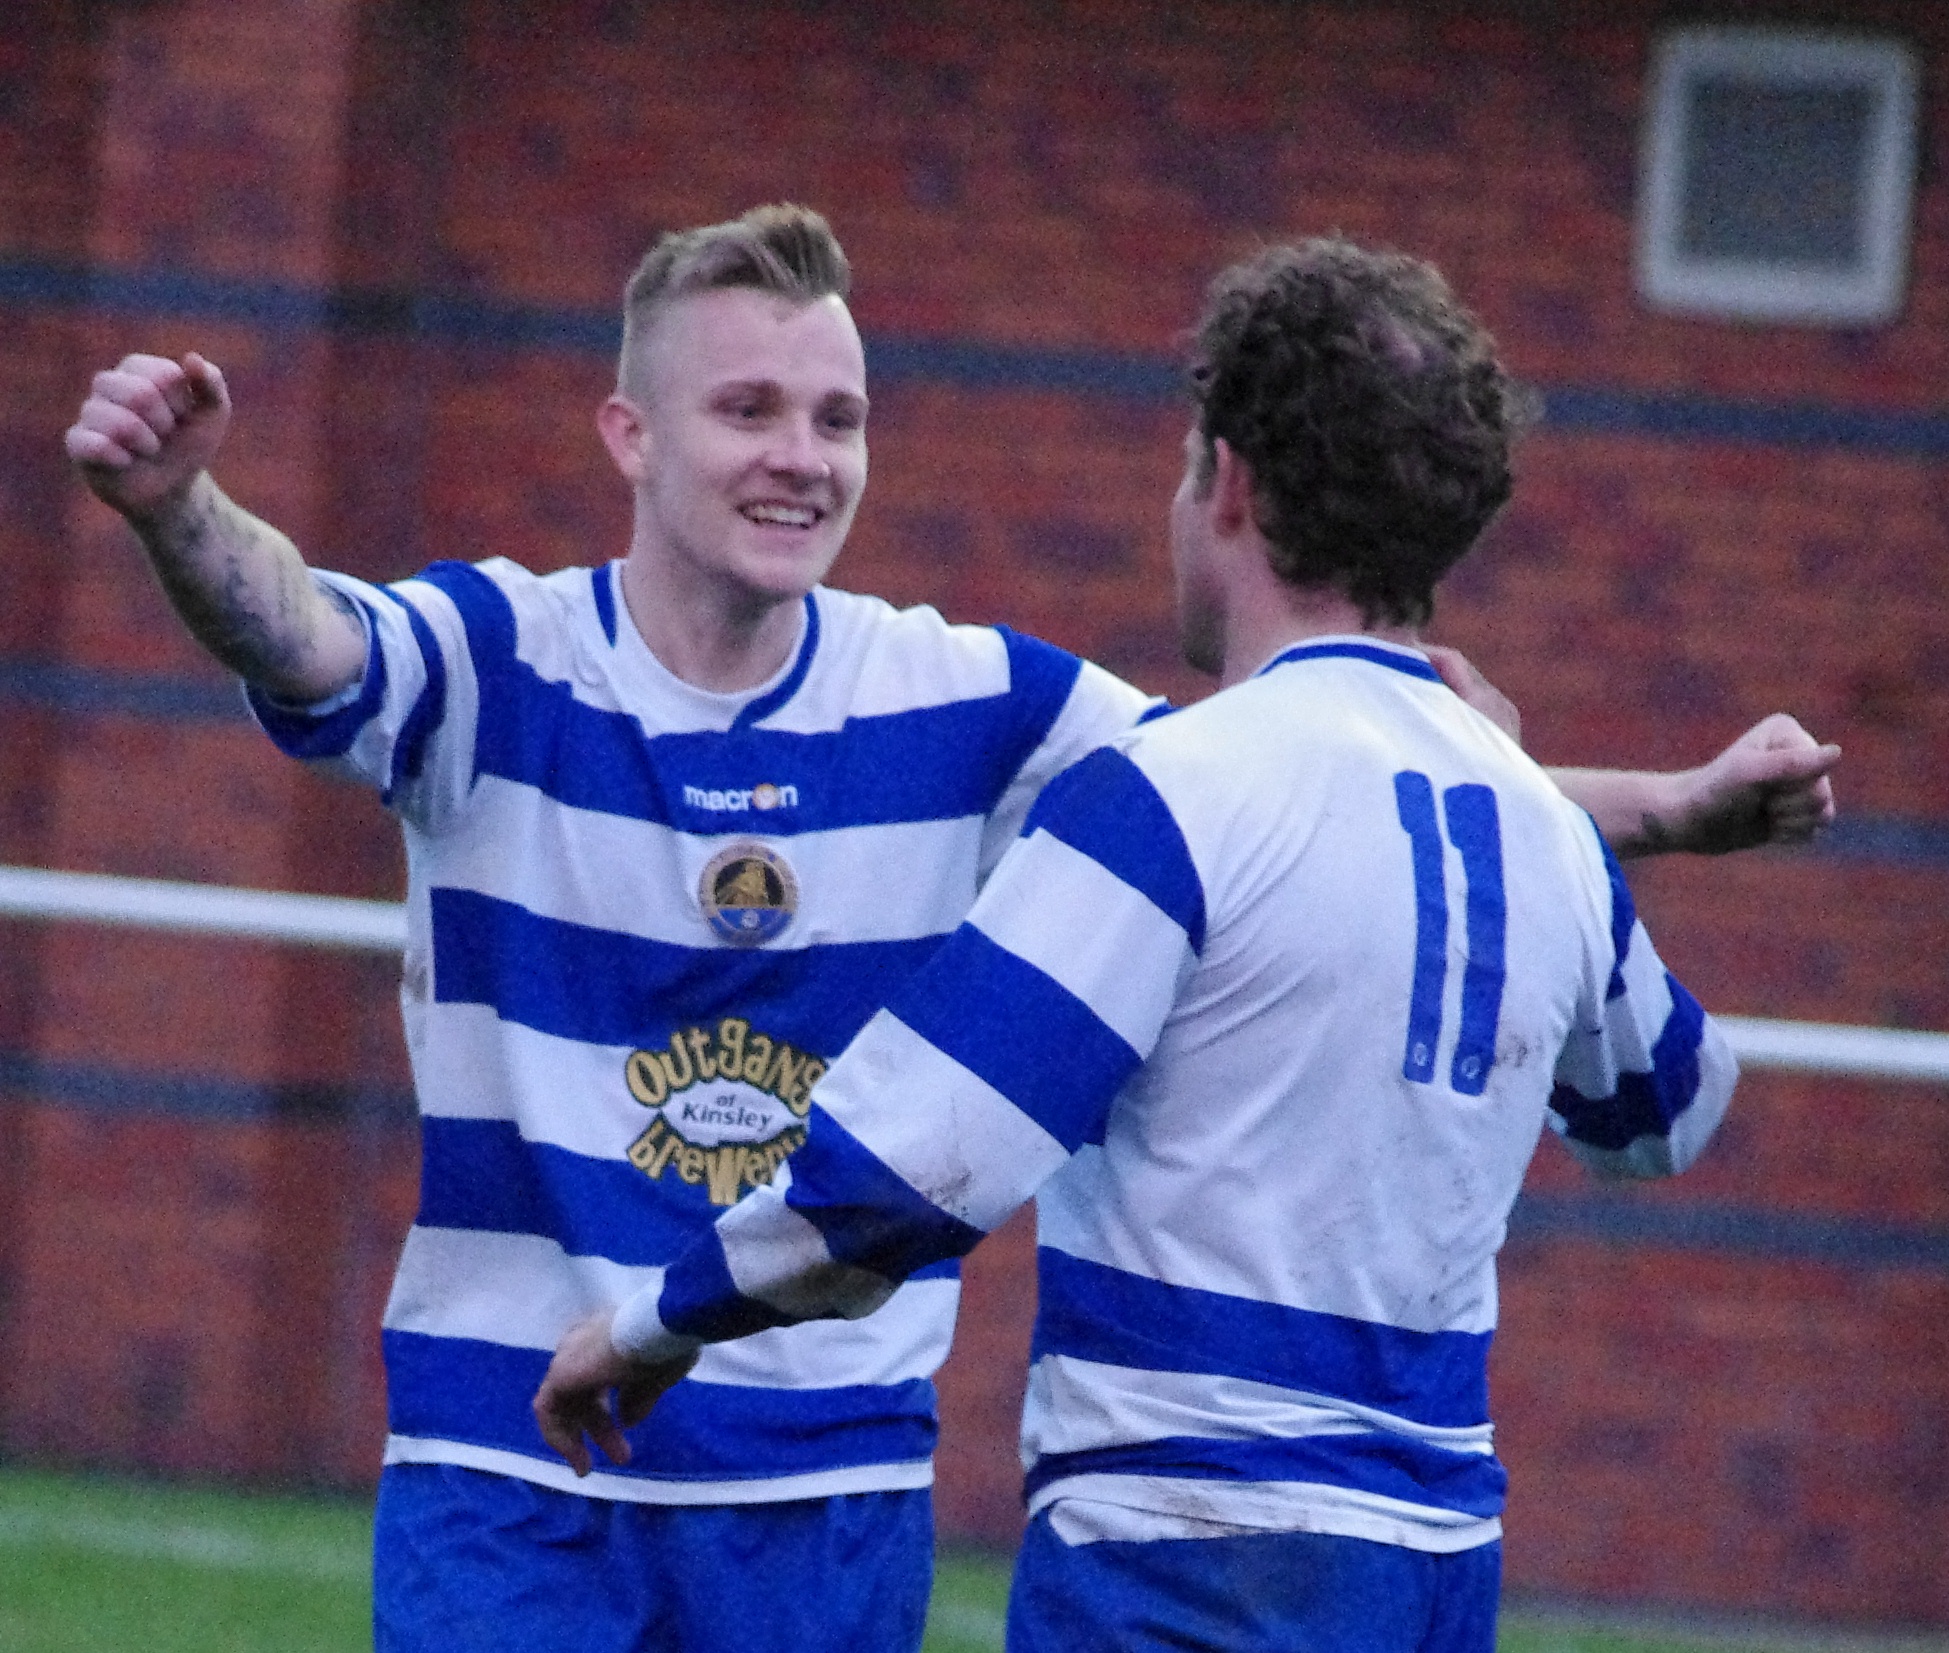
336,921
206,909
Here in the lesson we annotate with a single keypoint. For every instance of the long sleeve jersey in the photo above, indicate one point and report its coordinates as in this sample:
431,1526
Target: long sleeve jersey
1269,1005
642,918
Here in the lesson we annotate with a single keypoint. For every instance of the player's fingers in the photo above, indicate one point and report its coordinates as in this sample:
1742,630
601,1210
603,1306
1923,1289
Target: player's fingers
555,1416
205,382
87,446
1780,729
147,366
1456,670
1800,813
158,373
1460,674
1781,768
138,394
121,425
607,1434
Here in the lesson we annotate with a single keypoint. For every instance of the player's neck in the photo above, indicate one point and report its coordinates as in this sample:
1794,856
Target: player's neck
1266,621
713,636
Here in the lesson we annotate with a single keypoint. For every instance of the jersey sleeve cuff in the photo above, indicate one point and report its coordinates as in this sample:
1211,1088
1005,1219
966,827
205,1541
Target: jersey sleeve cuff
638,1332
325,728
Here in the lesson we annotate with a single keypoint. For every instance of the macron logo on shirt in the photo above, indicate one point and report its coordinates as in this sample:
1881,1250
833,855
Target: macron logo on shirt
738,799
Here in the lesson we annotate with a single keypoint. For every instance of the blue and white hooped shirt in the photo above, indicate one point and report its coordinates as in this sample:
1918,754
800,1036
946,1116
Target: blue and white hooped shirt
1267,1009
643,919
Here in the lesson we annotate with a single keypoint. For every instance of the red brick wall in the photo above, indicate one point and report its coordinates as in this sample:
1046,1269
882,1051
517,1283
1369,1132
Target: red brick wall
1053,180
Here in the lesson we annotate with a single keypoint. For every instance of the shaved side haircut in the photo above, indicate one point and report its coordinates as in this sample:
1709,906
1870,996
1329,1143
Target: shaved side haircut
785,249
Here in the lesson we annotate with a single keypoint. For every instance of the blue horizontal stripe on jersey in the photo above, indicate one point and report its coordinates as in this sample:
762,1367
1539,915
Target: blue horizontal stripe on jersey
298,734
1645,1104
1411,665
1390,1466
1094,1312
930,764
701,1300
1105,807
1022,1032
483,1174
458,1389
577,981
867,1213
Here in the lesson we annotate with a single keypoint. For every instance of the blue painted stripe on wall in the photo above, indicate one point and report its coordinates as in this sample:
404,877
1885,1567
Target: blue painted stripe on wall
965,363
1594,411
1886,838
1779,1236
86,690
206,1097
1617,1219
89,691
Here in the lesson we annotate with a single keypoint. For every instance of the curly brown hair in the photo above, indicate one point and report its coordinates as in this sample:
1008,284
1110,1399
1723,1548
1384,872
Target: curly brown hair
1371,410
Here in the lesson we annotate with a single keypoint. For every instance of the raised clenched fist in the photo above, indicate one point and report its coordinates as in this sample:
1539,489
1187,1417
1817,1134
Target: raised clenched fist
149,428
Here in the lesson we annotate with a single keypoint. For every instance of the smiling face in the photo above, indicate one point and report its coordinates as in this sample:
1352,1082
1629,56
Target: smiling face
743,430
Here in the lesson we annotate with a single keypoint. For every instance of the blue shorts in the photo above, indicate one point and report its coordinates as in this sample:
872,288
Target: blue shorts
1295,1592
466,1562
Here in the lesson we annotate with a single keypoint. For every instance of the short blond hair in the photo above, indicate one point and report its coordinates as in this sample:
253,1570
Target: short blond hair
784,249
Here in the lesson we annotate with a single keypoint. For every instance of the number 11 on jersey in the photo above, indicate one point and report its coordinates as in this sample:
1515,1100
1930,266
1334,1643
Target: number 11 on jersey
1476,833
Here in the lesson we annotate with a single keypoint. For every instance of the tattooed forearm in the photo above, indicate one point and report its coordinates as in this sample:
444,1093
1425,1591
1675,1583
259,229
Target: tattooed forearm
1654,837
245,593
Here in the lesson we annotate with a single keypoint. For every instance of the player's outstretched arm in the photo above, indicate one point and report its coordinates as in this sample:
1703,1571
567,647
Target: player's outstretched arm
143,443
1770,786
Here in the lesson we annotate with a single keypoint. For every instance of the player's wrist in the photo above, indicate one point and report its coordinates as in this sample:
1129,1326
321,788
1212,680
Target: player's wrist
638,1335
162,519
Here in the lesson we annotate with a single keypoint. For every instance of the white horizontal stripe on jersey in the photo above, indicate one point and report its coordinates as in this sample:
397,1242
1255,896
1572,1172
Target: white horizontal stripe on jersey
524,1291
1141,1215
615,873
516,1289
1265,1506
829,1483
473,1065
1078,1405
954,1147
1051,906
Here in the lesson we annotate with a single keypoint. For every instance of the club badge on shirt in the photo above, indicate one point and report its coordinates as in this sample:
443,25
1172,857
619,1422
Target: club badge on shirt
748,892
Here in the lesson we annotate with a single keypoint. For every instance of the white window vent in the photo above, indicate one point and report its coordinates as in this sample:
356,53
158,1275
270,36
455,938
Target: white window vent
1778,176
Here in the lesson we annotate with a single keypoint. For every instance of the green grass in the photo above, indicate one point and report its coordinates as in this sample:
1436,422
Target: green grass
95,1565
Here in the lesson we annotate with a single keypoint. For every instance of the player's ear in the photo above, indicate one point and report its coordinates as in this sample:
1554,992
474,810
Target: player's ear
1231,490
626,434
